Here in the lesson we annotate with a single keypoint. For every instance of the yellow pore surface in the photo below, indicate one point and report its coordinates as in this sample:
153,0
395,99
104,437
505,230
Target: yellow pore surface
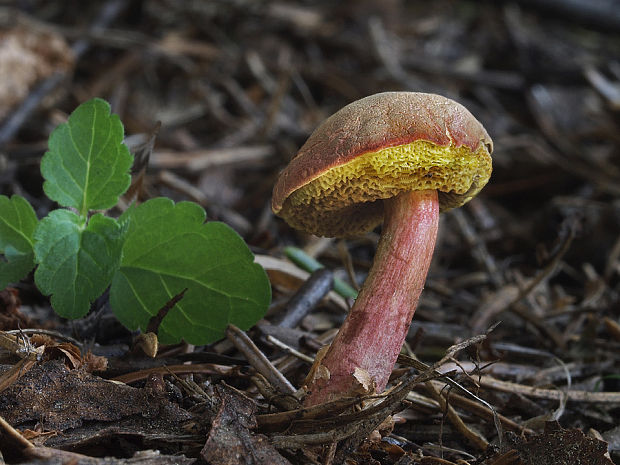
324,206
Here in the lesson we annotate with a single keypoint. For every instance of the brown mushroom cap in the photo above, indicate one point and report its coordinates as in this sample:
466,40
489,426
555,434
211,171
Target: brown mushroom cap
375,148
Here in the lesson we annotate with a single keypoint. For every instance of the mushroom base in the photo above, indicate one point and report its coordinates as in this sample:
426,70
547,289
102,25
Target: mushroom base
362,356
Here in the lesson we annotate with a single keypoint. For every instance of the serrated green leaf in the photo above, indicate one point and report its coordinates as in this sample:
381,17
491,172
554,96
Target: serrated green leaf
87,165
169,248
17,223
76,263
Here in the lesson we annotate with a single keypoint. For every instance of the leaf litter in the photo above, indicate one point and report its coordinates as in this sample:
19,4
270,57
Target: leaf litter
238,86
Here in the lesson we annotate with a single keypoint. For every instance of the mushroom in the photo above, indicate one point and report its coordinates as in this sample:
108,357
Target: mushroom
400,157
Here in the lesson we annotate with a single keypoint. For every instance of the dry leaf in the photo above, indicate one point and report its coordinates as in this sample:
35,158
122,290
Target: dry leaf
27,56
558,446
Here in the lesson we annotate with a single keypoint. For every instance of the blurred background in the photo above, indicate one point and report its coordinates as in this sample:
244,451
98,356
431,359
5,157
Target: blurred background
238,85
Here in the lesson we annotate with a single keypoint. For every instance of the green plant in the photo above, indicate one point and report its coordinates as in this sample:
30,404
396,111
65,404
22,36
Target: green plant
146,257
306,262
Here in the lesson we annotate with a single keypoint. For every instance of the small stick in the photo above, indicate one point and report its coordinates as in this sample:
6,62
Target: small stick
47,332
142,154
12,124
489,382
258,360
307,297
549,269
306,262
285,402
29,104
14,438
348,263
11,376
156,320
19,344
475,438
14,344
290,350
427,371
514,305
479,248
471,406
206,368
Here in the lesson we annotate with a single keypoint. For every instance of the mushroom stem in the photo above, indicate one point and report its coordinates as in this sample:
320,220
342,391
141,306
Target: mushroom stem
364,352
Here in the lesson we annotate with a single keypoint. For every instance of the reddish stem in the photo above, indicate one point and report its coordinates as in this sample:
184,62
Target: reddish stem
373,333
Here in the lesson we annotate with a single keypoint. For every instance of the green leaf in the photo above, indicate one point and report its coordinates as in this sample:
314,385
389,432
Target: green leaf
169,248
87,165
17,223
76,262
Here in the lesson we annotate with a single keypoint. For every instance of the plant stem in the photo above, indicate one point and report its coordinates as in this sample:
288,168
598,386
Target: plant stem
366,347
306,262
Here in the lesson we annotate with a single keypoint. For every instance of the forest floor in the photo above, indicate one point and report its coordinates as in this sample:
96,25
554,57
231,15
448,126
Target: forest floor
525,278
